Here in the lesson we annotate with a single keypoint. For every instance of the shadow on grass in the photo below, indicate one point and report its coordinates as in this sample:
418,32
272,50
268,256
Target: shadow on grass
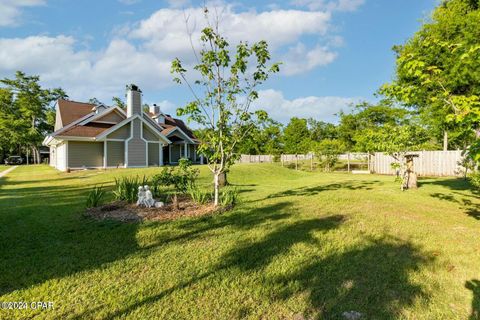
373,278
248,256
474,286
450,183
241,219
44,236
311,191
471,208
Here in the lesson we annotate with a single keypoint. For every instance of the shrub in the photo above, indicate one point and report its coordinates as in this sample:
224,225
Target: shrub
198,195
475,180
229,197
95,197
181,178
328,151
126,188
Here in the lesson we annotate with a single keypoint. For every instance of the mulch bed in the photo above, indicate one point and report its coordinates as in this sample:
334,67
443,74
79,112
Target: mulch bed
126,212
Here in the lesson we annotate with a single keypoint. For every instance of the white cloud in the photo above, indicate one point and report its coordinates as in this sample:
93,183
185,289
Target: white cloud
166,29
299,59
320,108
84,74
11,10
336,5
142,52
164,32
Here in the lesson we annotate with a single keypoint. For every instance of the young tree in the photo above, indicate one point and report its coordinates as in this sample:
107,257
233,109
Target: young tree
327,152
229,88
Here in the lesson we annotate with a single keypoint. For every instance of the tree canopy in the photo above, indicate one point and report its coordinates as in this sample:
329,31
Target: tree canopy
26,113
437,71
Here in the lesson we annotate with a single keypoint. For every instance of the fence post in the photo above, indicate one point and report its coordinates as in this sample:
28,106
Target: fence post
348,162
368,161
281,158
296,162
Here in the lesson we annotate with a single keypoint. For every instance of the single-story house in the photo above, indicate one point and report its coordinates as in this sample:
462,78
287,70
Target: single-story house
97,136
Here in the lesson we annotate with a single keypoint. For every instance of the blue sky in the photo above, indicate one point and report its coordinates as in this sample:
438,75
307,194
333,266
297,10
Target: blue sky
335,52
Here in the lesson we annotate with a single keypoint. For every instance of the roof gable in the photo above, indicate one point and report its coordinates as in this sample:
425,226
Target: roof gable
71,111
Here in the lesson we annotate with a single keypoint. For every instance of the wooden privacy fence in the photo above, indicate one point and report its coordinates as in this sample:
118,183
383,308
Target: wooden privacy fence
267,158
248,158
428,163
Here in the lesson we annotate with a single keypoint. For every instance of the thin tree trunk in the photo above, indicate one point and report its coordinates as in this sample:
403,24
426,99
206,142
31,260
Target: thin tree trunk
445,140
216,187
27,155
39,159
175,201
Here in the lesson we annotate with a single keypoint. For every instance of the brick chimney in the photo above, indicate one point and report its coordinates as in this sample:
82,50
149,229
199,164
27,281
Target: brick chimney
134,100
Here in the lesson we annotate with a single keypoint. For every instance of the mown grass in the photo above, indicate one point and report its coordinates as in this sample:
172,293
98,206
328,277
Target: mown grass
300,245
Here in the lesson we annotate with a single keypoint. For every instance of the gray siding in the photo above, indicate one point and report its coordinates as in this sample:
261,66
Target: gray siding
148,134
137,148
115,153
85,154
175,152
191,152
111,117
121,133
153,154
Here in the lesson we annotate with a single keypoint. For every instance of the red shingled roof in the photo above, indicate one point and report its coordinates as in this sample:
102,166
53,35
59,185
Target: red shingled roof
72,110
89,130
169,121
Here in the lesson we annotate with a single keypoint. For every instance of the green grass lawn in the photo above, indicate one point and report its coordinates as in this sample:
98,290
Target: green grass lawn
301,245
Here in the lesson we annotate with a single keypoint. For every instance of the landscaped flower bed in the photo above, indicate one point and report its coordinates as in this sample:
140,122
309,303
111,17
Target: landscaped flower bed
127,212
171,194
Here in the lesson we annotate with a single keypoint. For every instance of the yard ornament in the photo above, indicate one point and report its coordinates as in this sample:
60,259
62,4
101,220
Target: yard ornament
141,196
149,201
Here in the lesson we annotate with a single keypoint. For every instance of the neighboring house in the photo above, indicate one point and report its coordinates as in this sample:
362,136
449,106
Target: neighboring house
97,136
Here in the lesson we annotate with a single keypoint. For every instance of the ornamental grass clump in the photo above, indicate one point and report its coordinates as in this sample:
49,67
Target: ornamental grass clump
229,197
126,188
95,196
199,196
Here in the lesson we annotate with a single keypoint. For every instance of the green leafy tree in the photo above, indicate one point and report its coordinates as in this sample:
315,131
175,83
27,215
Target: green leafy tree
320,130
229,87
437,71
95,101
119,103
367,117
265,139
27,111
296,137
